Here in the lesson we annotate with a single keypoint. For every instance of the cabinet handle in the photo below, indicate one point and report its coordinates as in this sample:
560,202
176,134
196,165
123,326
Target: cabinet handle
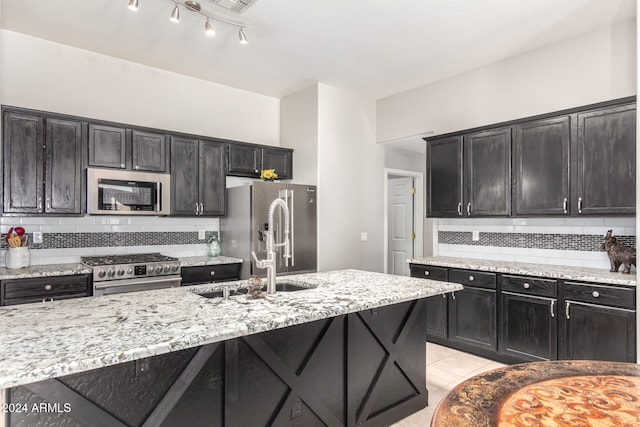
565,205
460,209
212,273
47,300
256,171
553,304
526,286
48,203
579,204
453,295
47,287
471,278
444,296
595,294
196,208
426,273
566,311
39,204
201,209
469,209
122,166
136,167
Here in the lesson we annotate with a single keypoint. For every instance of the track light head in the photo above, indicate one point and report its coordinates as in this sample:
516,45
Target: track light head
242,36
133,5
175,14
208,29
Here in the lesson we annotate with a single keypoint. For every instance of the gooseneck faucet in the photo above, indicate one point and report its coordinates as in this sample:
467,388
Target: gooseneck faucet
270,262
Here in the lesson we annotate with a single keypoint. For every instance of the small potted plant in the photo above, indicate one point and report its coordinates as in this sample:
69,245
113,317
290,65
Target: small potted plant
268,175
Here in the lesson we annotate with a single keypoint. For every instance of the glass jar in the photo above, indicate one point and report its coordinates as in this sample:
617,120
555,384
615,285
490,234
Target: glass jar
213,246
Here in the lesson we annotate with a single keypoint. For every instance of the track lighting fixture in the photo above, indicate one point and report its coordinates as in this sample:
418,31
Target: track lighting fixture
194,6
242,36
208,29
175,14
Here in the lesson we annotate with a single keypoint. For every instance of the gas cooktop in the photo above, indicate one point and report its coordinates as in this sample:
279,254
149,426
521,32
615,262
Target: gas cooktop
93,261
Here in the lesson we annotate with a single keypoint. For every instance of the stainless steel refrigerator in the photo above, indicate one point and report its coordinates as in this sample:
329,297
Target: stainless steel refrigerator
242,229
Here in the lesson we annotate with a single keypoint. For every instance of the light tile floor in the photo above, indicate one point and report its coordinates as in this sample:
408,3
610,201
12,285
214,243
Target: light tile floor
446,368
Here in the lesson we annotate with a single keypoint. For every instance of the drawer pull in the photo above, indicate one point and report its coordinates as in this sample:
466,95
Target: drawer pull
553,304
471,278
212,273
426,273
566,311
526,286
453,295
47,287
595,294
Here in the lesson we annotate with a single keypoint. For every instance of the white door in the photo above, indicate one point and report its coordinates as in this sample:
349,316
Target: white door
400,217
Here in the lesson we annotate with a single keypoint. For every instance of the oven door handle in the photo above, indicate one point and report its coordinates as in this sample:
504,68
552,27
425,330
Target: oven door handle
129,282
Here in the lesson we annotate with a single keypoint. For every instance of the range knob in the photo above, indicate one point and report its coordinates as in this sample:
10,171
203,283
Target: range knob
101,273
159,269
150,269
175,267
120,272
111,273
129,270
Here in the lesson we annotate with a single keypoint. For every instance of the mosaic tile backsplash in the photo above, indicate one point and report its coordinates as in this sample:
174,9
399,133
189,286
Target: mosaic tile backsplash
557,241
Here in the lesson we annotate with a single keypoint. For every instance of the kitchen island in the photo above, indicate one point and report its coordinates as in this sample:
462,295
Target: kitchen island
348,350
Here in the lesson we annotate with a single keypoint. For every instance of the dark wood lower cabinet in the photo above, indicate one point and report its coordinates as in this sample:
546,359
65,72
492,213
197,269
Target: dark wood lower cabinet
595,332
472,318
528,327
437,317
365,368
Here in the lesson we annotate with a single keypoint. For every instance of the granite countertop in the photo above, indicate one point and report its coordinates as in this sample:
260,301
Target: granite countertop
194,261
47,340
47,270
540,270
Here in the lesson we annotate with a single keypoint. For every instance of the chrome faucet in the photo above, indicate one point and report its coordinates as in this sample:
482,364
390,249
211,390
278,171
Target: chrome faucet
270,262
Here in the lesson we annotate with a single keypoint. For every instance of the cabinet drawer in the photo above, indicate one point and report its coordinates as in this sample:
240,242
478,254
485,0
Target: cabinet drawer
210,273
429,272
37,289
600,294
473,278
528,285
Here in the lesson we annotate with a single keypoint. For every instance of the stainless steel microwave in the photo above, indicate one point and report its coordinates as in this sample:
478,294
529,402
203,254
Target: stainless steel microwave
119,192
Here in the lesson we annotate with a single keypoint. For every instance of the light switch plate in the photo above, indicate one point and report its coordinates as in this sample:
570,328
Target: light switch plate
364,236
37,237
201,234
475,235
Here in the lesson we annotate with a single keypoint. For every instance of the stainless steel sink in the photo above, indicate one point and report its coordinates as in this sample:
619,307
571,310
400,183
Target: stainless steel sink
280,287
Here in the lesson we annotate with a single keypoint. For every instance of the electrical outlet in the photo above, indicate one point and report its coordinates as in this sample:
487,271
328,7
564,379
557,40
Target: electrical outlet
37,237
201,234
475,235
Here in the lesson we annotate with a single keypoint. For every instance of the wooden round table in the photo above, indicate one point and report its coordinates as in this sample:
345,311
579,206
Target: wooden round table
556,393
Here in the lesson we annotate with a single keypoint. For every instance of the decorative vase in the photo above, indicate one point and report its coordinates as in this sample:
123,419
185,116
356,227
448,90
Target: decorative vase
213,246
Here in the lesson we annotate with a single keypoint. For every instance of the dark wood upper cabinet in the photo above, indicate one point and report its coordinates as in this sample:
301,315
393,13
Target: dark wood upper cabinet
107,146
198,177
280,159
23,141
212,178
244,160
487,174
149,151
63,167
541,167
606,161
444,177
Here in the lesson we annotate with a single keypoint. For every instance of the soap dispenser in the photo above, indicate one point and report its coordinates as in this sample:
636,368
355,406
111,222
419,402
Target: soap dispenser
213,246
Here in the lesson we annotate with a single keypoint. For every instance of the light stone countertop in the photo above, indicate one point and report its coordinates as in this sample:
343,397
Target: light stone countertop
195,261
541,270
47,270
47,340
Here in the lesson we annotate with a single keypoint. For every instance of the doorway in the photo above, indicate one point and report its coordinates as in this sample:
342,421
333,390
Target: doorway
403,234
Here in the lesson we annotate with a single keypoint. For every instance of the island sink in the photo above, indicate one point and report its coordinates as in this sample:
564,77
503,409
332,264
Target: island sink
280,287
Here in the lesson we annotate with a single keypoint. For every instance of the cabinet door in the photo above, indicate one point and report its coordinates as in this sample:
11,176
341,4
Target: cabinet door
149,151
595,332
63,181
444,177
279,159
212,178
606,166
437,316
528,327
541,167
488,173
107,146
184,176
244,160
23,139
472,318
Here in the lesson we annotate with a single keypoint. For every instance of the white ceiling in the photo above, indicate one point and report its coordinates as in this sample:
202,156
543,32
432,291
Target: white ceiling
375,48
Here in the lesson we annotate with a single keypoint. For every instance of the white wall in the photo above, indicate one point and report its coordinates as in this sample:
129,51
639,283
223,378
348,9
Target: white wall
593,67
39,74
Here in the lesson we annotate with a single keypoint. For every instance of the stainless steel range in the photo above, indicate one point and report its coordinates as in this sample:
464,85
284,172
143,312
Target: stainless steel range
114,274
